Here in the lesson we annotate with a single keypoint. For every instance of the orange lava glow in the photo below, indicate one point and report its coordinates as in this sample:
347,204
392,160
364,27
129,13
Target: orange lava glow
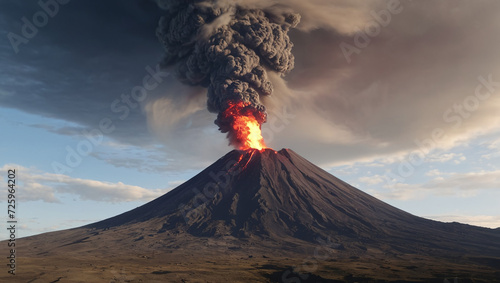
248,131
245,127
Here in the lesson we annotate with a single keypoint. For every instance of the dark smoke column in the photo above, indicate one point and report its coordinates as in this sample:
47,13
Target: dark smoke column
228,49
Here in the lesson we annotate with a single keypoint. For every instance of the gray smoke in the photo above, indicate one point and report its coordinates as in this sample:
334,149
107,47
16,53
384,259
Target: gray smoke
228,49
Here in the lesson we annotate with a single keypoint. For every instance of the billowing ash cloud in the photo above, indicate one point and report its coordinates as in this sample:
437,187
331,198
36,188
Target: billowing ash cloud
227,48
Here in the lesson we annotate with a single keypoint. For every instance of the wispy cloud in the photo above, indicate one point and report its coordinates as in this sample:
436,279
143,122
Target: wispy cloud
433,173
47,187
444,184
456,158
372,180
472,181
401,191
65,130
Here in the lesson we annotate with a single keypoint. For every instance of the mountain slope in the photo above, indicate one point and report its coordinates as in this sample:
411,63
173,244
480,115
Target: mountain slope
280,196
260,217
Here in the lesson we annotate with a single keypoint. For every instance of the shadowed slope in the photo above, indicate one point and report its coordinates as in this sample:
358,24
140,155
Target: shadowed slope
262,217
281,197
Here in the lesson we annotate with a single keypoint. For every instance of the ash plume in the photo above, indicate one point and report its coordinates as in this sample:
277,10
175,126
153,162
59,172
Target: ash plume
229,49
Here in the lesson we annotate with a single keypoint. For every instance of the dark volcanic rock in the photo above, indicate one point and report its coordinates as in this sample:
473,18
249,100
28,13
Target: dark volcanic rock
262,217
280,197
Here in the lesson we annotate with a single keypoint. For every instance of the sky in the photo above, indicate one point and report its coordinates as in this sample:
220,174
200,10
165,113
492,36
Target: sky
398,98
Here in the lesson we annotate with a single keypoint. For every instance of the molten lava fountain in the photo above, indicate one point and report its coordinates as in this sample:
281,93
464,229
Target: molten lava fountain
245,129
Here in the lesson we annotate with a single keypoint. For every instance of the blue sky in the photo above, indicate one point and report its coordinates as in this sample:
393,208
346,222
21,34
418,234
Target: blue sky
411,117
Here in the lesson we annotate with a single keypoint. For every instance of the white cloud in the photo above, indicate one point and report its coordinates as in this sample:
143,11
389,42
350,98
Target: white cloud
372,180
347,170
433,173
472,181
491,155
401,191
495,144
37,185
457,158
31,189
492,148
444,184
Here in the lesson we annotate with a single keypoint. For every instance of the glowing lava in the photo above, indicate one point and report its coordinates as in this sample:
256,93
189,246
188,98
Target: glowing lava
246,132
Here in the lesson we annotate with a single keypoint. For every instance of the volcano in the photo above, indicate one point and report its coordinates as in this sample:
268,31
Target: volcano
260,216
